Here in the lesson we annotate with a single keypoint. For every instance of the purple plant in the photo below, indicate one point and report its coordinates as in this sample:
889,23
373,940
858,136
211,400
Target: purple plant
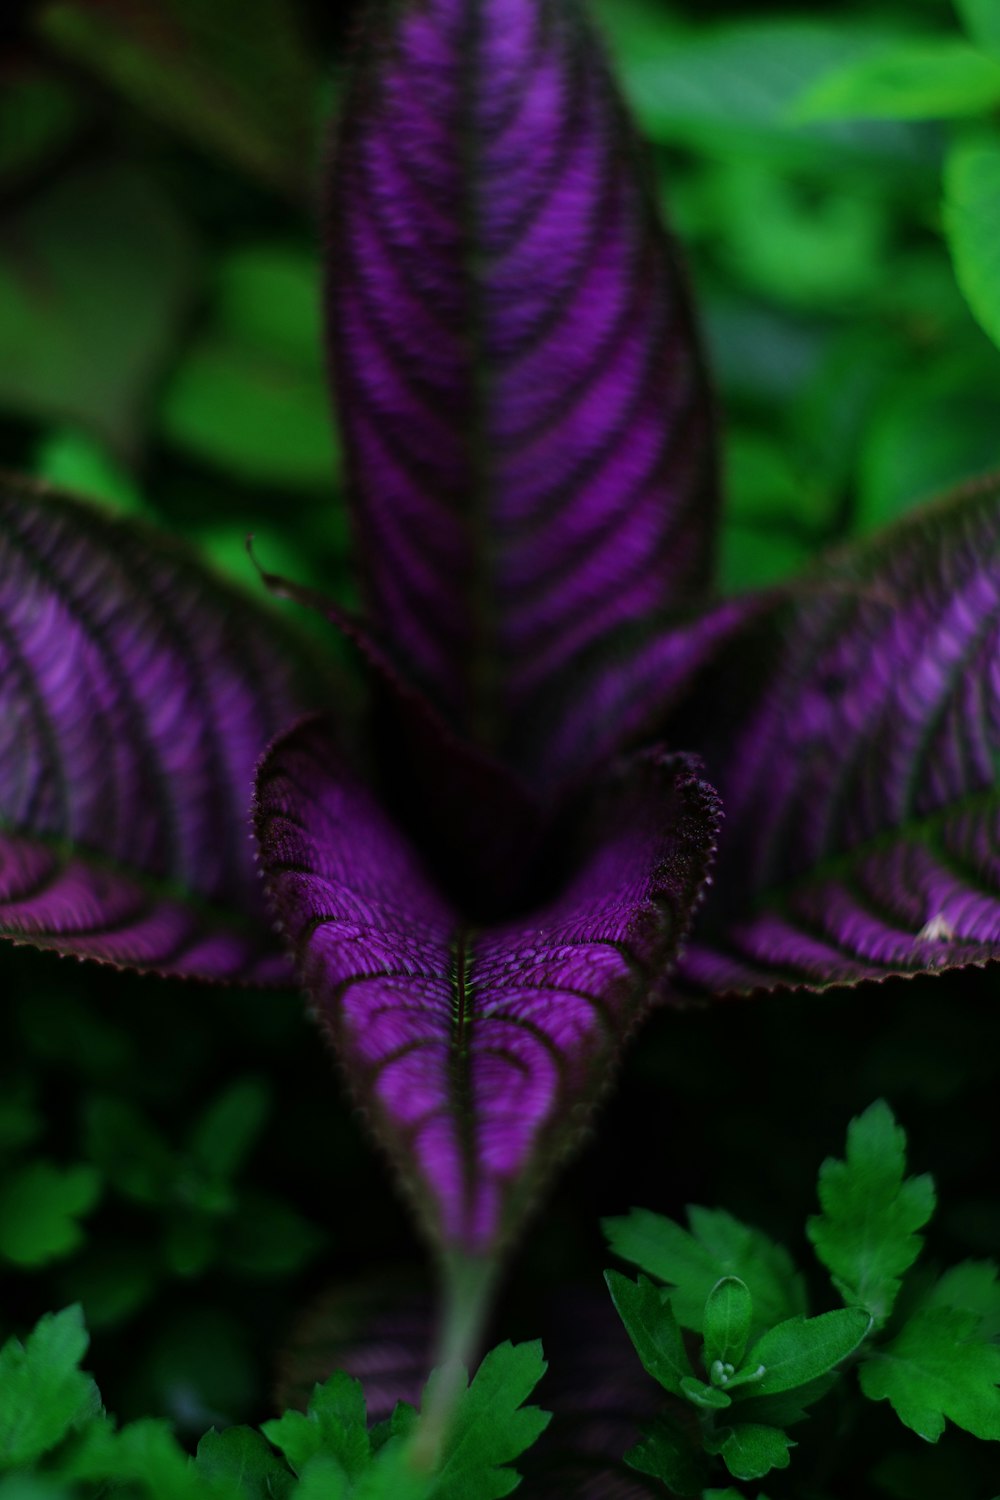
486,878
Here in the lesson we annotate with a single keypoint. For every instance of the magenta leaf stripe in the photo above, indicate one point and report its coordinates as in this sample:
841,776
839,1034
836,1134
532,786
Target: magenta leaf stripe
526,422
863,795
138,695
475,1051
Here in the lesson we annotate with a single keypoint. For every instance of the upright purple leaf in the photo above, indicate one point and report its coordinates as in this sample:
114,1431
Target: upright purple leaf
863,795
476,1052
136,695
527,429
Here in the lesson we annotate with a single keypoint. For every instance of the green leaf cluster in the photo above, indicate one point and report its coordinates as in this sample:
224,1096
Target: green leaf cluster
57,1441
739,1356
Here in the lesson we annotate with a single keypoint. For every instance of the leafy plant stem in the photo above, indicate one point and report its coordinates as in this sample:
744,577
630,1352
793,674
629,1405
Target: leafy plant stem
466,1293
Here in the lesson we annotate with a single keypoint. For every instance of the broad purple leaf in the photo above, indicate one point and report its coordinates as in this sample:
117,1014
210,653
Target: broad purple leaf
528,434
136,695
476,1052
863,795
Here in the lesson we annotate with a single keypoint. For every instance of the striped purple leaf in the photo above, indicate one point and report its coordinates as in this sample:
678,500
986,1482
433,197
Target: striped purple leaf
476,1051
527,429
137,695
863,794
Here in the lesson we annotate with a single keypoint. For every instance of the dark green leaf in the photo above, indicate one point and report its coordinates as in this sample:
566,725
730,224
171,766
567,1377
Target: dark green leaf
866,1235
235,76
649,1319
787,1408
730,89
94,277
491,1426
972,223
668,1452
230,1126
706,1396
938,1366
40,1205
43,1393
728,1317
336,1425
982,21
717,1246
798,1351
930,78
972,1287
240,1460
750,1451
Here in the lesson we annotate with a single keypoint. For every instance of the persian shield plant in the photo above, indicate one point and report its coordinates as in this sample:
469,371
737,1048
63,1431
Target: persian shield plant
486,876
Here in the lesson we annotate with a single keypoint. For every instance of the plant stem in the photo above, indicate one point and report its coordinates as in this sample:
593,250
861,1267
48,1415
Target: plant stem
467,1289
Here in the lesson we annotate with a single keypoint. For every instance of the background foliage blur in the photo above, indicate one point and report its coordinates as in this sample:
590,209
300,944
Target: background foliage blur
179,1160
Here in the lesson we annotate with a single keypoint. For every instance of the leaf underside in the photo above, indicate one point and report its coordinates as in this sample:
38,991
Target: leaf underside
527,431
137,695
477,1052
862,798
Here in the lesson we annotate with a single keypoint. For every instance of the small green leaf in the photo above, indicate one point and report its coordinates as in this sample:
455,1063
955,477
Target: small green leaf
717,1246
866,1234
728,1314
240,1460
981,19
43,1393
706,1396
649,1319
971,1286
668,1452
800,1350
227,1131
73,460
933,78
749,1451
491,1426
90,302
336,1425
938,1366
972,225
144,1453
789,1407
40,1204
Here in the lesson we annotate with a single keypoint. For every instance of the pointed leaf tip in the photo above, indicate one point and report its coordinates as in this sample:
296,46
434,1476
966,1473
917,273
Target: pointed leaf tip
477,1052
514,357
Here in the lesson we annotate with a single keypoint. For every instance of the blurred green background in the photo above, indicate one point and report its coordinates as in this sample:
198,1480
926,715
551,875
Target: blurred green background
182,1161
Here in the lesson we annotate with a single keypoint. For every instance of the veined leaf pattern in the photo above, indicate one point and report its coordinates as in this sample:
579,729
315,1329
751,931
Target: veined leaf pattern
137,696
863,796
477,1052
528,433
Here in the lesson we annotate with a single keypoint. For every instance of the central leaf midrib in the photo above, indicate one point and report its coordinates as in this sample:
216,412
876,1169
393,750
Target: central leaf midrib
460,1069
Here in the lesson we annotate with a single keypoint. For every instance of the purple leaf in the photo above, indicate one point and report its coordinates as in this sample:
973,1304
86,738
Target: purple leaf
528,434
136,695
476,823
862,796
624,690
477,1052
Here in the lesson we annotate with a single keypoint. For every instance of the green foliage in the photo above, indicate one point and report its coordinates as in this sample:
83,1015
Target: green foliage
716,1247
972,221
938,1359
866,1235
51,1412
43,1393
89,302
939,1365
